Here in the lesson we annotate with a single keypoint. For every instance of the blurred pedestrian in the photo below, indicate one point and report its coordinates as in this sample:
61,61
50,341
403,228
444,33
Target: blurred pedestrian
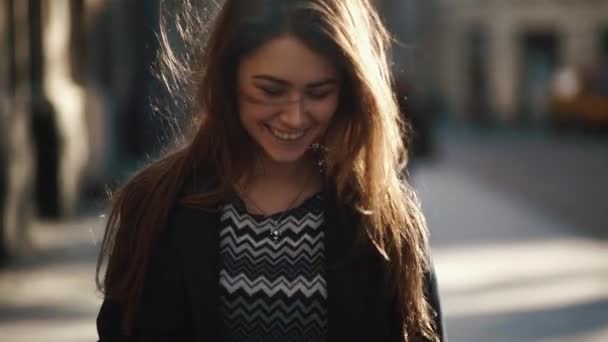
285,217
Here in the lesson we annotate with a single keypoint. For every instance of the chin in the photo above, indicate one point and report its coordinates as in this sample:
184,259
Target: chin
284,158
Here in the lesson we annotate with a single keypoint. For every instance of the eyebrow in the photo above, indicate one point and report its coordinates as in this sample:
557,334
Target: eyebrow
287,83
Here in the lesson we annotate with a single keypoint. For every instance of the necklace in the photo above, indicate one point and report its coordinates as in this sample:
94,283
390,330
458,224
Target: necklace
275,229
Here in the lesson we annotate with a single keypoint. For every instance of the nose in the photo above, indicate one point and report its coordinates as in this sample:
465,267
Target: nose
294,114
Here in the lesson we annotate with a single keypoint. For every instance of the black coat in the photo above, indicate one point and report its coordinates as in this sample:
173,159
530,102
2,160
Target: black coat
181,292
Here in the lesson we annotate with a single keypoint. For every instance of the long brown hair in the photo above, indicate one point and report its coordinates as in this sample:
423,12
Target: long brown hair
366,153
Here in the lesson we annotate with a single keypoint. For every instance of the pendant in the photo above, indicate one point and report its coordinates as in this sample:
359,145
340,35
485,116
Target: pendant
275,235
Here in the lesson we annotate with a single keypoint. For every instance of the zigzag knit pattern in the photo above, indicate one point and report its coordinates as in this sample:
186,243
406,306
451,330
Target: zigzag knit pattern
273,290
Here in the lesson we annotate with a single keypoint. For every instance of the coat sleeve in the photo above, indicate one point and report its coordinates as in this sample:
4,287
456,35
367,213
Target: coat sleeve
163,313
432,294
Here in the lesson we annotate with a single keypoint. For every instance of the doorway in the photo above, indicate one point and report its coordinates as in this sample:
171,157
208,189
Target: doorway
539,61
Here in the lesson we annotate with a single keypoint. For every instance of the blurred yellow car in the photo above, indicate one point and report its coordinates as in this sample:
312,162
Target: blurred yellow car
576,101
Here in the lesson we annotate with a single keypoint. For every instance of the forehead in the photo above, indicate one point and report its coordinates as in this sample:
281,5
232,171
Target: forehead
289,59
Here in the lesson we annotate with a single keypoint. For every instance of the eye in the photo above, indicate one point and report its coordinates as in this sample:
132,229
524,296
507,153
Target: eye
272,91
319,94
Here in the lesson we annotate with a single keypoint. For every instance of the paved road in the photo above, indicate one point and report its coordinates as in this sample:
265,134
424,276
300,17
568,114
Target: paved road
518,231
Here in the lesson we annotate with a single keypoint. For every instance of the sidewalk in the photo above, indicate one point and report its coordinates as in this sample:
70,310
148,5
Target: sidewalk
51,297
507,273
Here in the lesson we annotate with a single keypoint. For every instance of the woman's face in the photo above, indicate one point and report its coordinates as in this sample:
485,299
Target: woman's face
288,95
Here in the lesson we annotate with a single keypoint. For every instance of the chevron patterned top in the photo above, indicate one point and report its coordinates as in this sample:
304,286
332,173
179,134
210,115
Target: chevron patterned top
273,290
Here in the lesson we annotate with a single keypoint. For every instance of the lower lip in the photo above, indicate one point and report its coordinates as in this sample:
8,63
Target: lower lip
285,141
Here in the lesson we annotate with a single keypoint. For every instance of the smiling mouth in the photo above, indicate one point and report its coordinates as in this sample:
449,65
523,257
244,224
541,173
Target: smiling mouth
286,135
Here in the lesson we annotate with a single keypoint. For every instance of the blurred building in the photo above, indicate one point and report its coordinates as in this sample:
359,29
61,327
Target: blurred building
413,26
75,113
16,157
496,59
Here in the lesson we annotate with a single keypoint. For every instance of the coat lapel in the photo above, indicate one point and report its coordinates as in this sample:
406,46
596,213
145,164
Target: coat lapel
200,256
345,280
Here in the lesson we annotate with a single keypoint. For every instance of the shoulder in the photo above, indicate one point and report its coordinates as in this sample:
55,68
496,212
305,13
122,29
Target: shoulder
188,232
188,236
188,227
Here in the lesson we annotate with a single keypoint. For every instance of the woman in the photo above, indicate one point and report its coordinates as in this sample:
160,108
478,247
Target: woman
285,217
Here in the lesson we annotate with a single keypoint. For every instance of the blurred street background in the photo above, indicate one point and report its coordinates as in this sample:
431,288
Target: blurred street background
508,100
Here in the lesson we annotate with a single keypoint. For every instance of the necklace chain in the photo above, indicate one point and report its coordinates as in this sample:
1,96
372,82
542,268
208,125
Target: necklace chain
274,230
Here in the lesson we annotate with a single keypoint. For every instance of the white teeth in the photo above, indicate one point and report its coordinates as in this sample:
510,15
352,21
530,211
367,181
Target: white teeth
287,135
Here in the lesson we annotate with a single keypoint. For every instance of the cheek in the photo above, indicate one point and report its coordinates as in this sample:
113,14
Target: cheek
249,113
326,110
244,111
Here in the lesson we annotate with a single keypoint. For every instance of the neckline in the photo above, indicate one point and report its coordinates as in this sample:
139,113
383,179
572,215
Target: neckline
312,201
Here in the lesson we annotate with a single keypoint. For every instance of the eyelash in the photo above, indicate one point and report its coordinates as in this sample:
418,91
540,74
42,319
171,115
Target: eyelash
318,95
315,95
272,92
